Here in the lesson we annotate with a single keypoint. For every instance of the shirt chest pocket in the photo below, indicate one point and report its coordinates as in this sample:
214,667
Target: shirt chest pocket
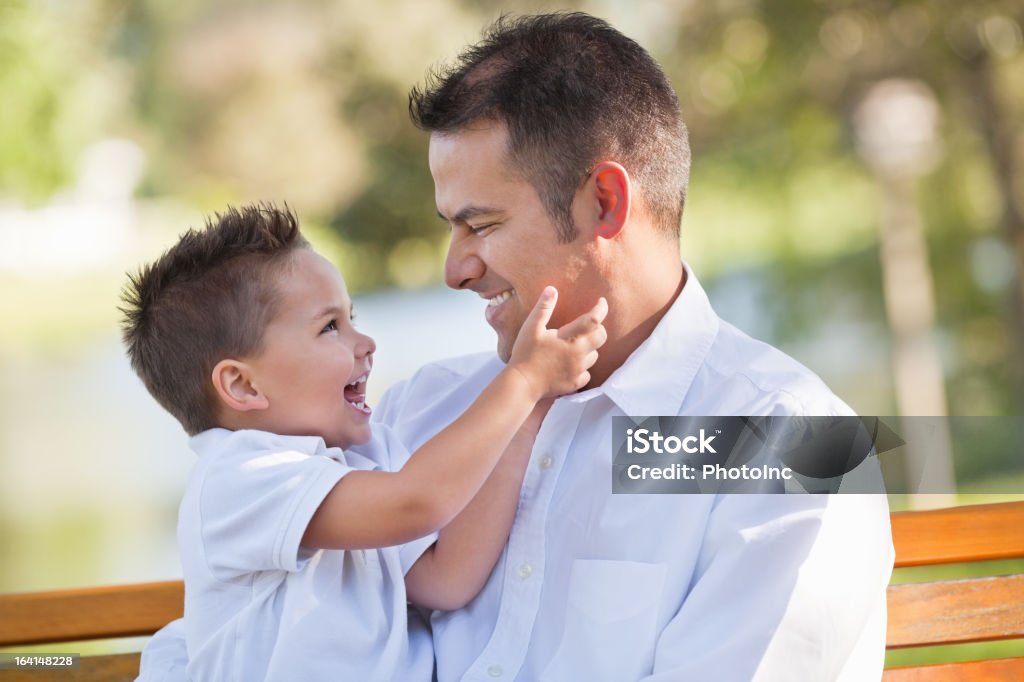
610,621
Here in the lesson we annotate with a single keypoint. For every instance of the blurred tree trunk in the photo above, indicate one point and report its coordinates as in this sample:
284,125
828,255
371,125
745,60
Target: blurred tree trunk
897,130
999,138
910,306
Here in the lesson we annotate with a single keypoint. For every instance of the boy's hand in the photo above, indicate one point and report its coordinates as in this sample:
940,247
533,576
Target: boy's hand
555,362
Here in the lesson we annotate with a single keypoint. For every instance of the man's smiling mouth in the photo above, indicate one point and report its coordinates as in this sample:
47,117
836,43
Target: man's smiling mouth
500,298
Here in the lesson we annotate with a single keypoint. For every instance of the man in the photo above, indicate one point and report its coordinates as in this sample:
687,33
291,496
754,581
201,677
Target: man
559,156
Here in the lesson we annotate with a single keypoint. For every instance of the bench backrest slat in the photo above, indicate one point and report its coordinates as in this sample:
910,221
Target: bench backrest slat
109,668
91,613
974,533
954,611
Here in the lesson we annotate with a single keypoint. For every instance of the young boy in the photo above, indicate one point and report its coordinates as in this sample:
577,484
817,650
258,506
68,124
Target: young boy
289,543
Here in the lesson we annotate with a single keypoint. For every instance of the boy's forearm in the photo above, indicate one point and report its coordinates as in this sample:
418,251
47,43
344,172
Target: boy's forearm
382,508
454,570
452,466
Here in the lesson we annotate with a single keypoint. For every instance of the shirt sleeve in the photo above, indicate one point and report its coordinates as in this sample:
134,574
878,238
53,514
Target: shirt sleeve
787,587
165,656
255,508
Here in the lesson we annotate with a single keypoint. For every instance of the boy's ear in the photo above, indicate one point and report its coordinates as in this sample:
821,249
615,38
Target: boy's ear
233,381
613,192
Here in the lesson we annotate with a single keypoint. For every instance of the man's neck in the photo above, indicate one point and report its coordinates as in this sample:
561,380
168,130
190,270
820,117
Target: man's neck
637,311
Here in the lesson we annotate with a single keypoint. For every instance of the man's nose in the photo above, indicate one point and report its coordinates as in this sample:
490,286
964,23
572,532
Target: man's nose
462,265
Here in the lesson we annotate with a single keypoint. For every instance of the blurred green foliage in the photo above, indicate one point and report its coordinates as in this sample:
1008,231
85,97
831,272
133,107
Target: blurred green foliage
306,102
36,143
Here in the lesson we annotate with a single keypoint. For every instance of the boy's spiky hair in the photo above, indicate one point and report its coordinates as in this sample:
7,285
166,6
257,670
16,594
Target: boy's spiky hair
209,297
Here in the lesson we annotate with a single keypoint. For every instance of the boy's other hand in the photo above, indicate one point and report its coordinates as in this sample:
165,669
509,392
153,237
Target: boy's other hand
555,361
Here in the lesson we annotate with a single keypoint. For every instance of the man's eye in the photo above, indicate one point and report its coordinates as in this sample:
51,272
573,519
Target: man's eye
477,229
330,327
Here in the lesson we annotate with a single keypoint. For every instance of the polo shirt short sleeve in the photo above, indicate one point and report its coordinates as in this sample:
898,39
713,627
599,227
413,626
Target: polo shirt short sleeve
256,499
258,606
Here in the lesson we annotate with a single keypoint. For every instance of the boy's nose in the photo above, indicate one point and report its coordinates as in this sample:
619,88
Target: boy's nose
365,345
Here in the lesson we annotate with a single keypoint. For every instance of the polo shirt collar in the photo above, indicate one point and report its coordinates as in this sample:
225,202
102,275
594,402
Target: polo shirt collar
215,439
657,375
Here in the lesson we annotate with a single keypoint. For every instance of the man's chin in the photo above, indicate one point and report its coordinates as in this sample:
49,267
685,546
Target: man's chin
504,354
504,350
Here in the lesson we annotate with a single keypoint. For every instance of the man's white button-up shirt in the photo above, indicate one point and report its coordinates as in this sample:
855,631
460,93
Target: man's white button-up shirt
595,586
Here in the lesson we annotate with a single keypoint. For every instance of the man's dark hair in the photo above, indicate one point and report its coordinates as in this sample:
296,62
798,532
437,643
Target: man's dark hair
572,92
209,297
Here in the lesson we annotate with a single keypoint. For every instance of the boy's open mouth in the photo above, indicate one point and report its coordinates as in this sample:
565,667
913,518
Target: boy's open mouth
355,394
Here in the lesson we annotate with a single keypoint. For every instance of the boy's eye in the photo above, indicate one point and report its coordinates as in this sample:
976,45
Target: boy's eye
330,327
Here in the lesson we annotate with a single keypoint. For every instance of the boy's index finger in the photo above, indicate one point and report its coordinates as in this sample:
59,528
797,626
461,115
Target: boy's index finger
542,310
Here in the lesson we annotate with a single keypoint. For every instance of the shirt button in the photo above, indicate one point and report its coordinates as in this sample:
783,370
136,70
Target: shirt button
546,462
494,671
525,571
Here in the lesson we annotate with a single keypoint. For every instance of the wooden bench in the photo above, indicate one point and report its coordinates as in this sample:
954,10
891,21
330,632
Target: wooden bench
958,611
84,614
920,614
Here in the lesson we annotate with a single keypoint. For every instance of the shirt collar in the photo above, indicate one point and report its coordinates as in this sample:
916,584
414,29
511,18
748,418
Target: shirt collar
655,378
216,439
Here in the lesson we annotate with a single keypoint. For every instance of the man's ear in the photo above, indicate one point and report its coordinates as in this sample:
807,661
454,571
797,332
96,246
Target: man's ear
233,381
611,183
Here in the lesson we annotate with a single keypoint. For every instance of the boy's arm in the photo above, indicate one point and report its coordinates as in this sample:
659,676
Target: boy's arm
454,569
380,509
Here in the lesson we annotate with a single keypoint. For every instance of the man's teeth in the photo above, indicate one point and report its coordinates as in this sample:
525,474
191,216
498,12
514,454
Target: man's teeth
500,298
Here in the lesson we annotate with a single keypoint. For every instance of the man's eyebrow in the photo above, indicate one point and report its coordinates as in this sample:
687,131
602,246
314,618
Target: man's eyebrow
465,214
